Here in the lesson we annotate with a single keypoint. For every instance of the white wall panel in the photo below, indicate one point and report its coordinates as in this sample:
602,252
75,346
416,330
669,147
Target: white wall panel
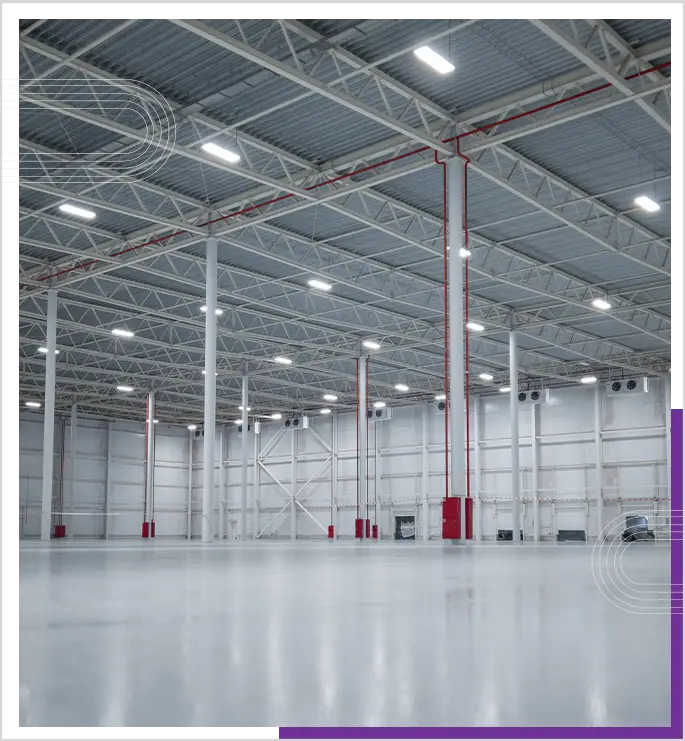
633,448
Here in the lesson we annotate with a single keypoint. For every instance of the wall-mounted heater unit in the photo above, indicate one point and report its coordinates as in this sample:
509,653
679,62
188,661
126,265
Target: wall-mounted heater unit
537,396
379,415
440,406
629,386
240,427
297,423
197,434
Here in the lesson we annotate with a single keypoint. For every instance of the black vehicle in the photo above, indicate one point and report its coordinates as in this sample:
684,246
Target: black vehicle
637,528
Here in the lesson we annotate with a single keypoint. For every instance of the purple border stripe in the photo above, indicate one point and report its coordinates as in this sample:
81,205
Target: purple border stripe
675,730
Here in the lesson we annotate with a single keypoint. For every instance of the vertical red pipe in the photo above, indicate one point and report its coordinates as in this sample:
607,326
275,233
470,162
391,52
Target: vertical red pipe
357,407
467,162
366,452
446,382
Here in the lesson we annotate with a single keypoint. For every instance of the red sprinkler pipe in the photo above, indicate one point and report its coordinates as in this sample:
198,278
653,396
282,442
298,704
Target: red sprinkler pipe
366,454
446,361
357,406
467,162
359,171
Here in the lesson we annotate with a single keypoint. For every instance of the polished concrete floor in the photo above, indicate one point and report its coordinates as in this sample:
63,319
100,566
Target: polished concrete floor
276,634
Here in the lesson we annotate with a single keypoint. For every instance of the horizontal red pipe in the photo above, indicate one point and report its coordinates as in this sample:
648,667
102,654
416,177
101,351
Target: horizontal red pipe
346,176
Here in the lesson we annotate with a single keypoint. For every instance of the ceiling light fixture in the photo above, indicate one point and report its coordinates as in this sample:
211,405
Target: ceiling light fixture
401,387
192,427
276,415
282,360
600,303
237,421
218,312
155,421
434,60
122,333
647,204
371,344
486,376
33,404
325,411
330,397
314,283
378,404
588,379
441,397
67,208
249,409
474,326
221,153
204,373
125,389
464,252
44,350
505,390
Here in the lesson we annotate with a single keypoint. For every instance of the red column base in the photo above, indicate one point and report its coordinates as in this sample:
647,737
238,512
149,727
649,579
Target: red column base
60,531
359,529
331,532
368,528
451,518
469,518
374,532
152,529
146,530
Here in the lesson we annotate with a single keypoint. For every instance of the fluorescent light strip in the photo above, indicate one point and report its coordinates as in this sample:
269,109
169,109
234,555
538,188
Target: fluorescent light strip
249,409
122,333
324,411
474,326
440,397
192,427
588,379
282,361
330,397
378,404
486,376
218,312
221,153
67,208
319,284
505,390
276,415
33,404
371,345
434,60
647,204
600,303
44,350
401,387
125,389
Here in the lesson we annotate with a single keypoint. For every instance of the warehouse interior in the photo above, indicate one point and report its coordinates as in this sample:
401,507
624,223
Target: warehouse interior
405,285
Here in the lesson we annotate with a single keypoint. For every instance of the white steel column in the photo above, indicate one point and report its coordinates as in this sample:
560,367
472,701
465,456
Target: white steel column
108,481
189,530
514,430
425,472
667,424
599,462
210,394
223,437
255,488
150,458
457,412
363,442
69,505
534,471
49,418
293,486
243,462
477,504
377,471
334,474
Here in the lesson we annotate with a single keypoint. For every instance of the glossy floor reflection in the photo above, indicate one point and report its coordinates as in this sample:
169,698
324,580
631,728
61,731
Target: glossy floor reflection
267,634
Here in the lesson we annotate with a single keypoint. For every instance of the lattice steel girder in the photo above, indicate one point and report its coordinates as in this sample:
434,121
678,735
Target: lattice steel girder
315,170
610,66
540,280
241,48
